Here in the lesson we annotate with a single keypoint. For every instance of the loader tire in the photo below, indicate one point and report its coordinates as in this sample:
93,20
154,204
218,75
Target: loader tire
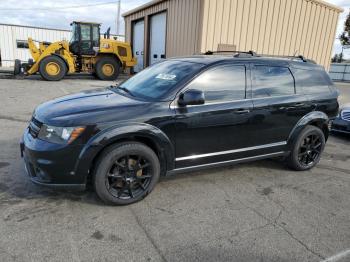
107,68
52,68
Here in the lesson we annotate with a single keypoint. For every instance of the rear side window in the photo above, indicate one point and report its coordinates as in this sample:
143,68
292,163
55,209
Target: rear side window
312,81
223,83
270,81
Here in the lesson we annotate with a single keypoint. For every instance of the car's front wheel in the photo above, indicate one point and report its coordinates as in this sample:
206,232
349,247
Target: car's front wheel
307,149
125,173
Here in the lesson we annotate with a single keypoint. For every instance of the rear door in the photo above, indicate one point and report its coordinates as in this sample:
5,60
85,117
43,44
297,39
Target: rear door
277,105
217,130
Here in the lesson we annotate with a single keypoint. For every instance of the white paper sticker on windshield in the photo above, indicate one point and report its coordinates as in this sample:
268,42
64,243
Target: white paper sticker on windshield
166,76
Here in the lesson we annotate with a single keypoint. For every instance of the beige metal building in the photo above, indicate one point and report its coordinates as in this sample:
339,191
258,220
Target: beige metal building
167,28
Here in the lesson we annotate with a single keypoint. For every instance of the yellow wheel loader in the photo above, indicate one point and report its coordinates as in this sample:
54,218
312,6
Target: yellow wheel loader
85,52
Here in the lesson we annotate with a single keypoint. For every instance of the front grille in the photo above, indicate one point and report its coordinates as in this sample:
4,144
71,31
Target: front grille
34,127
345,114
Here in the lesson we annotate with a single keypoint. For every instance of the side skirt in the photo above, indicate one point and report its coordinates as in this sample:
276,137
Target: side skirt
225,163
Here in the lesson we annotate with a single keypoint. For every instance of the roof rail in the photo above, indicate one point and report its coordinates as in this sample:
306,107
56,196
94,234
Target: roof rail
301,57
251,53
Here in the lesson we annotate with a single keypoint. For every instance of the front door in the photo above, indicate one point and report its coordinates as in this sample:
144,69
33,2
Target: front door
138,44
157,37
219,129
87,43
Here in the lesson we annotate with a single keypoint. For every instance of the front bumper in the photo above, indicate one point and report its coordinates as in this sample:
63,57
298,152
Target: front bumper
340,125
52,164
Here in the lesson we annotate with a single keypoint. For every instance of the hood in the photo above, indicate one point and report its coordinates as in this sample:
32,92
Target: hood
87,107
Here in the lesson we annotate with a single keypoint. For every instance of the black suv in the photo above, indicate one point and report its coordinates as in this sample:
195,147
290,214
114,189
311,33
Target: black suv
178,115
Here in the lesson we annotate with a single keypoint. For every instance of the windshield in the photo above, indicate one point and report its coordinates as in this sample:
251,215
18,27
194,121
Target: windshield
157,80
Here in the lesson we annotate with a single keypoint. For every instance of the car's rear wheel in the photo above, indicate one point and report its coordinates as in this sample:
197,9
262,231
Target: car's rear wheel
307,149
126,173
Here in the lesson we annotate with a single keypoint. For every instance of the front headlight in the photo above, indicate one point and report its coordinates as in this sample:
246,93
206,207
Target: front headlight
59,135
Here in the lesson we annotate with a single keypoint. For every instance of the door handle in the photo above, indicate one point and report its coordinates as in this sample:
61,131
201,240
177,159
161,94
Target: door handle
242,111
300,104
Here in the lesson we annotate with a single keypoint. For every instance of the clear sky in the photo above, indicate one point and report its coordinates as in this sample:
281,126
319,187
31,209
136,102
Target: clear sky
59,13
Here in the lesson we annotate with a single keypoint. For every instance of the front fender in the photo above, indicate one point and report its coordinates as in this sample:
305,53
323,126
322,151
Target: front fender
313,118
123,132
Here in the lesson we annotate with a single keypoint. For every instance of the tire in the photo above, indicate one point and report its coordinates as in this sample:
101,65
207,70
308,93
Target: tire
305,156
17,67
52,68
107,68
114,184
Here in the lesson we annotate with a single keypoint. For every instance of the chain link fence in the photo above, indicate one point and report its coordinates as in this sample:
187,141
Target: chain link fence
340,72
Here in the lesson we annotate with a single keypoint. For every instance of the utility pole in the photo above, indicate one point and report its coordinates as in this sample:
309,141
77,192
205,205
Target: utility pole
118,18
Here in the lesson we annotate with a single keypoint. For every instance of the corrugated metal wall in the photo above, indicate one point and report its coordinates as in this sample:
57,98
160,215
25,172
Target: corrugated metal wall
279,27
9,34
183,25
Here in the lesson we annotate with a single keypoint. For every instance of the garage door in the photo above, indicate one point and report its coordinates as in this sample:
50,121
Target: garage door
157,37
138,43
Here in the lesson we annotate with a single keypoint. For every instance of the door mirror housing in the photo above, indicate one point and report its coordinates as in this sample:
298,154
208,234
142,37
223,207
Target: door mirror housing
191,97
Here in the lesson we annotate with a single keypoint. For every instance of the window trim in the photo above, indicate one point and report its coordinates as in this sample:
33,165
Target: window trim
253,83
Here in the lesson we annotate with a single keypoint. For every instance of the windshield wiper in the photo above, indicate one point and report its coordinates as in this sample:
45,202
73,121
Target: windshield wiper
125,90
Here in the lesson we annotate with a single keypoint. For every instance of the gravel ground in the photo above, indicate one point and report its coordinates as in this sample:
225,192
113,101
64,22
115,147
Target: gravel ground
258,211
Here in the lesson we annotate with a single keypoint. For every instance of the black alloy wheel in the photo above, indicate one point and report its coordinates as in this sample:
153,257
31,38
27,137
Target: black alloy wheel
129,176
307,149
125,173
310,149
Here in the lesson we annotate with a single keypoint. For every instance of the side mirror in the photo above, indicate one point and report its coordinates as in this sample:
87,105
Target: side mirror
191,97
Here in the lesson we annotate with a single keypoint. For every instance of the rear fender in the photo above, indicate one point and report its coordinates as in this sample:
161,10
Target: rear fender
316,118
125,132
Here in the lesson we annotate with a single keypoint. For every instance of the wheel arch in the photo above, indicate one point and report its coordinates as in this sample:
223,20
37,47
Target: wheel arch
112,55
315,118
142,133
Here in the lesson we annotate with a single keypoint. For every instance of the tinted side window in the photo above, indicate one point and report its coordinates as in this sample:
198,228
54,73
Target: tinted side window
272,81
224,83
312,81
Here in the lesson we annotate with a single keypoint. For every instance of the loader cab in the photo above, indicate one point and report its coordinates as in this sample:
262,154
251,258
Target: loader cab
85,38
